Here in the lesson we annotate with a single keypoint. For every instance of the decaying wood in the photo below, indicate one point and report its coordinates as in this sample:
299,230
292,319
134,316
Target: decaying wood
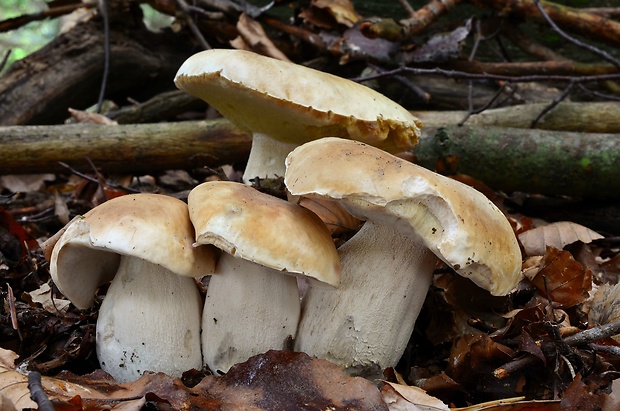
134,148
68,72
507,159
572,19
599,117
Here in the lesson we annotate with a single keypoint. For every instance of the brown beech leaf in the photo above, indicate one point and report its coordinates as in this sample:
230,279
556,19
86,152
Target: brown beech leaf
400,397
472,355
561,278
324,13
91,118
611,401
286,380
252,37
604,308
558,235
578,396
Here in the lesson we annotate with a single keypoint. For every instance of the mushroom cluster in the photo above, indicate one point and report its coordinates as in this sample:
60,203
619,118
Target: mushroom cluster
365,296
149,246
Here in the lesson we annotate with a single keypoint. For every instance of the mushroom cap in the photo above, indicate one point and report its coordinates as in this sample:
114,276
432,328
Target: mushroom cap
152,227
456,222
263,229
294,103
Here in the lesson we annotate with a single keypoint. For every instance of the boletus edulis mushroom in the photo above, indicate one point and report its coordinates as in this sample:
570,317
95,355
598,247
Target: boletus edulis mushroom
283,105
413,217
150,317
252,304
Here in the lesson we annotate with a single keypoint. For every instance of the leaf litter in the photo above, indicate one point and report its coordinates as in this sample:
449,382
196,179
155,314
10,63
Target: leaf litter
468,348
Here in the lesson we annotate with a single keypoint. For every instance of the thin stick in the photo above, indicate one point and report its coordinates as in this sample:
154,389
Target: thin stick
12,309
192,25
37,394
106,52
573,40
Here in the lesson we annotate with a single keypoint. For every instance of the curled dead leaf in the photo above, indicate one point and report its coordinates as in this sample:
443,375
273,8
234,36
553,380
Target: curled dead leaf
561,278
400,397
558,235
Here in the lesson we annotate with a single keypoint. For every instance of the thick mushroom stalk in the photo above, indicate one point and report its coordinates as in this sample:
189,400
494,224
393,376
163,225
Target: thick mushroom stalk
291,104
249,309
384,282
149,320
411,214
252,305
150,317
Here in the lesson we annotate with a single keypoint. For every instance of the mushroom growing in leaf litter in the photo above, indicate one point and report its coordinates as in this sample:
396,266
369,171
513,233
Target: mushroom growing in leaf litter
413,216
252,305
284,104
150,317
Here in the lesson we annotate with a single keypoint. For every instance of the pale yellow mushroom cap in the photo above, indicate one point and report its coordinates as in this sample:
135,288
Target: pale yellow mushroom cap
456,222
153,227
263,229
293,103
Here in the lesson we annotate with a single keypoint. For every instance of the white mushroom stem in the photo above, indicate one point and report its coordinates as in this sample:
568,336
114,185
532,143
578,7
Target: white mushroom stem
149,320
249,309
364,325
267,158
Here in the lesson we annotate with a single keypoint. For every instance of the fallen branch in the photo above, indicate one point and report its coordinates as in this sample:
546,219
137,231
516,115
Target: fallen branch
532,161
573,19
136,148
601,117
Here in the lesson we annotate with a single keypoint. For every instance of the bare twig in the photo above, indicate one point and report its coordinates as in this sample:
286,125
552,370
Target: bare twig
463,75
37,394
19,21
589,47
5,58
424,16
12,310
554,103
106,52
598,94
192,26
95,179
408,8
580,339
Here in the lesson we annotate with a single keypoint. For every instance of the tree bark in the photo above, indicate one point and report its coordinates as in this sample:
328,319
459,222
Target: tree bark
143,148
68,72
599,117
532,161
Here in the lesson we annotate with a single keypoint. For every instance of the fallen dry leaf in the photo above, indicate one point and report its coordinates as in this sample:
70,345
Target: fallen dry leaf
86,117
276,380
611,401
43,296
558,235
604,308
578,396
286,380
325,13
400,397
252,37
561,278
